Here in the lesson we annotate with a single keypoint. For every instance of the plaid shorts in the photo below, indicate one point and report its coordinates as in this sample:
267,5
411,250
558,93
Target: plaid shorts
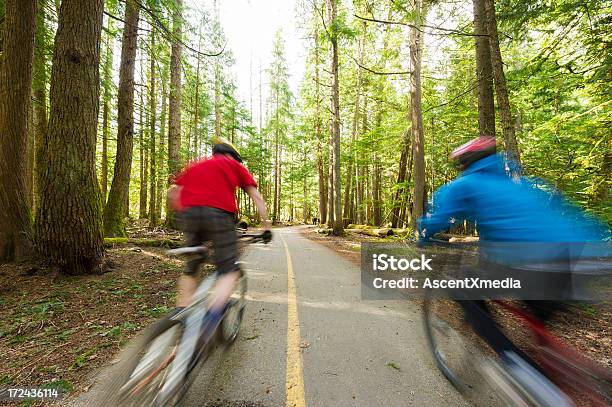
202,224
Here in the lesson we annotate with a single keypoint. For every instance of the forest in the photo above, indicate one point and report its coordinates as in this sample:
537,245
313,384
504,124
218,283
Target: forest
102,102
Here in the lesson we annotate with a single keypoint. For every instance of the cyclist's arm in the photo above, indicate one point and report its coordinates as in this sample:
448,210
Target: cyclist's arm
259,204
450,202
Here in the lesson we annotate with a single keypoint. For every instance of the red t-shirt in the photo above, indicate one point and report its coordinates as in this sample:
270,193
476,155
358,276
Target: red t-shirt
212,182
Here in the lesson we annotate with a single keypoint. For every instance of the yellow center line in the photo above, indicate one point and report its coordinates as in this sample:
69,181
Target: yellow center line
294,381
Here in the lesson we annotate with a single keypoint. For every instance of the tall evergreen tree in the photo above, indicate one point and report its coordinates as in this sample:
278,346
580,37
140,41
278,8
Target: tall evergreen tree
16,63
115,209
68,220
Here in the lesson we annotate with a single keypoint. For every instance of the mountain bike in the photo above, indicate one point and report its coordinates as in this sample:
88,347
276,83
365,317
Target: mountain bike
476,371
159,366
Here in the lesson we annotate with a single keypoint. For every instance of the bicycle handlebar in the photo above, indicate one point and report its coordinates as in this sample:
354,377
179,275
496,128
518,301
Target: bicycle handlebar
265,237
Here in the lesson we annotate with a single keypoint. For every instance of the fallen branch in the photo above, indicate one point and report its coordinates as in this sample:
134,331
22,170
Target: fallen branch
382,232
167,243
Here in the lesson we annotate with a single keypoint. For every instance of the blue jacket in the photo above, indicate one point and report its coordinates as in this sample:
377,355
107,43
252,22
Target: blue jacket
507,209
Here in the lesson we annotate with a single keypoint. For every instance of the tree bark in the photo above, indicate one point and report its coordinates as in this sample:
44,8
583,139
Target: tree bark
416,115
153,218
39,92
144,152
118,196
174,125
484,72
501,88
2,19
335,113
69,221
16,64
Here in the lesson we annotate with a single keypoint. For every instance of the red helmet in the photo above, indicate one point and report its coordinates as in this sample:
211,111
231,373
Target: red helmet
473,151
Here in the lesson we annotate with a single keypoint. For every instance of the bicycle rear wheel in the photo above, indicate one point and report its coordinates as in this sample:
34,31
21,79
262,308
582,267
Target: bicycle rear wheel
143,367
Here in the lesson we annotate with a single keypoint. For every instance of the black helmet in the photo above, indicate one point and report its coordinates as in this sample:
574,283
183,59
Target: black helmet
223,146
474,150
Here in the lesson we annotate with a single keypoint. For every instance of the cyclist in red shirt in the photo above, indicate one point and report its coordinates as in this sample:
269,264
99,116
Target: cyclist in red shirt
204,196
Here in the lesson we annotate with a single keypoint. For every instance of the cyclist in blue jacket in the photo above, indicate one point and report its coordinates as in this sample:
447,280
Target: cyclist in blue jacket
509,209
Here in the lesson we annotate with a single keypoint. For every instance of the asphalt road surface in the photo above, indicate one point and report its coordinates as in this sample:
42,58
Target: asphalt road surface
308,339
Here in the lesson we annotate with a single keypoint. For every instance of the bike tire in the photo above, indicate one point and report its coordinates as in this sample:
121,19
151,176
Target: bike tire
434,345
114,392
461,356
230,326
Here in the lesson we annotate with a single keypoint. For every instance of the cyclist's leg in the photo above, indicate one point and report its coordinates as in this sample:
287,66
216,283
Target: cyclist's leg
558,284
188,282
221,231
478,315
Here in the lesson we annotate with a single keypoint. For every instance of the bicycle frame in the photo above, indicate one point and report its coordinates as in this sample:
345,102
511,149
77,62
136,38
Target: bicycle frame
193,318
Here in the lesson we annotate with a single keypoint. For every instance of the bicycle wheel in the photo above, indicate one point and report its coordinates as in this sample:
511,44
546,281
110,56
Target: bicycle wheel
230,326
143,367
463,358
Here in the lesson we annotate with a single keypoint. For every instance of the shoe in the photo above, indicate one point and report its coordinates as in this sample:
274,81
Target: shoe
210,322
533,383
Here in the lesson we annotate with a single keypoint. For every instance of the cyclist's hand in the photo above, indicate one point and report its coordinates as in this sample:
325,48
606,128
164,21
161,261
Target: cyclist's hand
266,236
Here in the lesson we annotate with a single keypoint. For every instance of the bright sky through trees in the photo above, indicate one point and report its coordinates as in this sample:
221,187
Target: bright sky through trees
250,26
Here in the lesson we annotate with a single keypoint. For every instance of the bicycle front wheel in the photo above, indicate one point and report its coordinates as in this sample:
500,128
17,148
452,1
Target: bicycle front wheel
233,317
143,367
458,351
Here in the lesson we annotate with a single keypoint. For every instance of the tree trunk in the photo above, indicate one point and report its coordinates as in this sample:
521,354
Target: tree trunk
335,113
118,196
376,193
69,221
501,88
484,72
319,134
331,213
174,125
153,218
161,180
39,92
280,177
362,201
349,186
217,101
106,107
401,178
16,64
144,154
275,210
416,115
2,19
196,110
